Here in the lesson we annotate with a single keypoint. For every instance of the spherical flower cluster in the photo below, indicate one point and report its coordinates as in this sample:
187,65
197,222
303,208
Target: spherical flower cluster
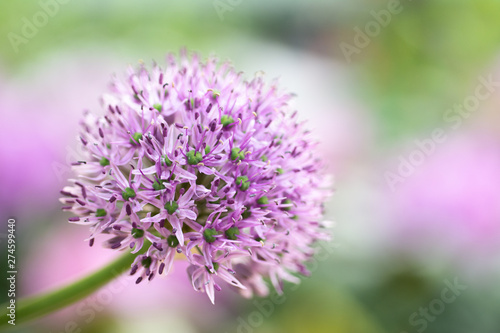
191,160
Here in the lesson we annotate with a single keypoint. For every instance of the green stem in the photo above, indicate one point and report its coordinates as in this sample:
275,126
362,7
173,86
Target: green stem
41,305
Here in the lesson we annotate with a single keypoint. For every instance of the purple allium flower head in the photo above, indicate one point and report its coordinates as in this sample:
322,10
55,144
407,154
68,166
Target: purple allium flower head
191,160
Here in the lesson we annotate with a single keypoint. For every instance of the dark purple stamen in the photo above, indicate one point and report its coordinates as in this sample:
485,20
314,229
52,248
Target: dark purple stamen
212,125
84,192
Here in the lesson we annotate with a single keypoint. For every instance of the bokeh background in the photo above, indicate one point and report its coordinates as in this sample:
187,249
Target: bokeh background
396,92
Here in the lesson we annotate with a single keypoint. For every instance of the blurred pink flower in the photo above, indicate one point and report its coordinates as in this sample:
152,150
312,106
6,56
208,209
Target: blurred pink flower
39,113
451,204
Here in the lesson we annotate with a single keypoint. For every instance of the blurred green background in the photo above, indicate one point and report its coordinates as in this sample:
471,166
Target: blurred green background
395,249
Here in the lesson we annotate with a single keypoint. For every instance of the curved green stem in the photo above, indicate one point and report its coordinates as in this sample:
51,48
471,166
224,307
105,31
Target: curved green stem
40,305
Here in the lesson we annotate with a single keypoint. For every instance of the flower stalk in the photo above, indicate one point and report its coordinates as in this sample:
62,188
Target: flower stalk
40,305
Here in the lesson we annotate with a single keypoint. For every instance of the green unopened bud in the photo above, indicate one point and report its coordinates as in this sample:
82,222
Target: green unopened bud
234,153
287,202
232,232
226,120
146,262
237,154
158,185
135,138
128,193
157,107
172,241
193,157
167,161
247,213
245,186
264,158
207,149
279,171
171,207
263,201
104,161
209,234
100,212
241,179
243,182
137,233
